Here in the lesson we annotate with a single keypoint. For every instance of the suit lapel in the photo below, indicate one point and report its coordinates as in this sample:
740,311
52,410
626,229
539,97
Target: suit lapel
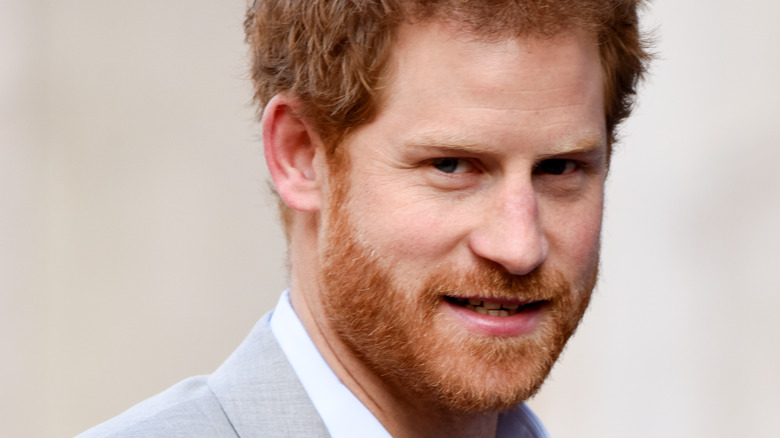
260,393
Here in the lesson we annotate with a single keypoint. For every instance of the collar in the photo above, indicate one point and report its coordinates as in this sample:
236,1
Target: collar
343,414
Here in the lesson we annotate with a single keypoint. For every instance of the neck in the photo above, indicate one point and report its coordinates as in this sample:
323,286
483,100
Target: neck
401,414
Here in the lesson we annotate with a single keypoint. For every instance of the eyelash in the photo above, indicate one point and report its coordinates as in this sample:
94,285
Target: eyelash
538,169
438,163
578,165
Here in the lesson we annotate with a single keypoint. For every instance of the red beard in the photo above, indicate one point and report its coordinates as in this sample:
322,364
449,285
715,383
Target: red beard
396,326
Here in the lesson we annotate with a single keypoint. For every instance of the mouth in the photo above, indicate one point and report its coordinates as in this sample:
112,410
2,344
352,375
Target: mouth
496,317
495,307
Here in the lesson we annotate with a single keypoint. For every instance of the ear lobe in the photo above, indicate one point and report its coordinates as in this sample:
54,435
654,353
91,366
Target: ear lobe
291,145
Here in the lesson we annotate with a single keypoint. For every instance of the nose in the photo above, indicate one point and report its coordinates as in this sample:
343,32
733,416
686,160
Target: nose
510,233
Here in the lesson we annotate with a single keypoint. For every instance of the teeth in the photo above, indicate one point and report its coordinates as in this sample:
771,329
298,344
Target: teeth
491,305
490,308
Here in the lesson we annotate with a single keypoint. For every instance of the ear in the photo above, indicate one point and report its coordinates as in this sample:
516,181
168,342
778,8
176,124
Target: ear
291,146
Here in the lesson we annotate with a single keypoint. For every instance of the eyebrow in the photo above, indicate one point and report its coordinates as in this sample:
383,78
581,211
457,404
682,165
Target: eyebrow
588,143
450,143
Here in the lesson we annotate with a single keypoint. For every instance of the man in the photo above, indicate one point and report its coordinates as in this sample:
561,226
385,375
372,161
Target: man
441,169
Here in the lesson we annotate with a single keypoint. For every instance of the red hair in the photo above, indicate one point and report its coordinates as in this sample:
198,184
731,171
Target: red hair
332,54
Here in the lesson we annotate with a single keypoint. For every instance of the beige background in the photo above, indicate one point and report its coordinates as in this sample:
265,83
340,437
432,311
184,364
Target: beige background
138,244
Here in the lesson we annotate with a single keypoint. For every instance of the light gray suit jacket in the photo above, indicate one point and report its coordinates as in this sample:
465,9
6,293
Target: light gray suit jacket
254,394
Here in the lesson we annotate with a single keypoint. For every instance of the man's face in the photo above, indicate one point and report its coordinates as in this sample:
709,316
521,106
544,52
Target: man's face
460,239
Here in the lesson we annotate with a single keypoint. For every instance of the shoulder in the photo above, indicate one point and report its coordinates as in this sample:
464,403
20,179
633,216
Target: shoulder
255,393
187,409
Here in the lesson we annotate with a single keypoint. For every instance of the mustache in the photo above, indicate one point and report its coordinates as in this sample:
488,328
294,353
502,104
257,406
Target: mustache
492,282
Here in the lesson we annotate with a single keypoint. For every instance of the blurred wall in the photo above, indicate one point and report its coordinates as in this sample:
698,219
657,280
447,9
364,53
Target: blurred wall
138,243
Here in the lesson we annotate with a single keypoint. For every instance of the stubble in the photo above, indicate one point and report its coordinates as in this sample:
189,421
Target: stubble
396,326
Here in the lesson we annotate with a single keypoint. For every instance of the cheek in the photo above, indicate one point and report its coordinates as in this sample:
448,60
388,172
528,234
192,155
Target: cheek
404,228
586,243
574,236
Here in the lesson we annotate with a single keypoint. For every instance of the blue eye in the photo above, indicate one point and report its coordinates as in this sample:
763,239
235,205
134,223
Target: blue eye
451,165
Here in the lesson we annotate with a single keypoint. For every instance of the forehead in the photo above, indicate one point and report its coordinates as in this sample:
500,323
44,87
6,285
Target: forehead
431,56
497,92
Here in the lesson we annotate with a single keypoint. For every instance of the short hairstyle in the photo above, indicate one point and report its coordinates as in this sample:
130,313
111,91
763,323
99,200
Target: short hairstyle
332,54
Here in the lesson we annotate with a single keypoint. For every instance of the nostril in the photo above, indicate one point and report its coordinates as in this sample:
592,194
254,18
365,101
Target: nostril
518,253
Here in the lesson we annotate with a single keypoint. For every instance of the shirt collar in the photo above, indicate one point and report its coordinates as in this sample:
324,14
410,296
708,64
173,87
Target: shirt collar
343,414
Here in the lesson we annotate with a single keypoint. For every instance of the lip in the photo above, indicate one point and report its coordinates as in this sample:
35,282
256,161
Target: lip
521,323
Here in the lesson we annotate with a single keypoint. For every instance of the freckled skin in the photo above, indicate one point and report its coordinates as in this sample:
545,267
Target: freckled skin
516,114
502,110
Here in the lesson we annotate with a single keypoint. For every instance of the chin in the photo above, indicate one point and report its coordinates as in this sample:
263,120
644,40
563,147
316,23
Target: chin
402,331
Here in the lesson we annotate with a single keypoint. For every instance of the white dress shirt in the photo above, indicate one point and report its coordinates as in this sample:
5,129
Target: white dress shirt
343,414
